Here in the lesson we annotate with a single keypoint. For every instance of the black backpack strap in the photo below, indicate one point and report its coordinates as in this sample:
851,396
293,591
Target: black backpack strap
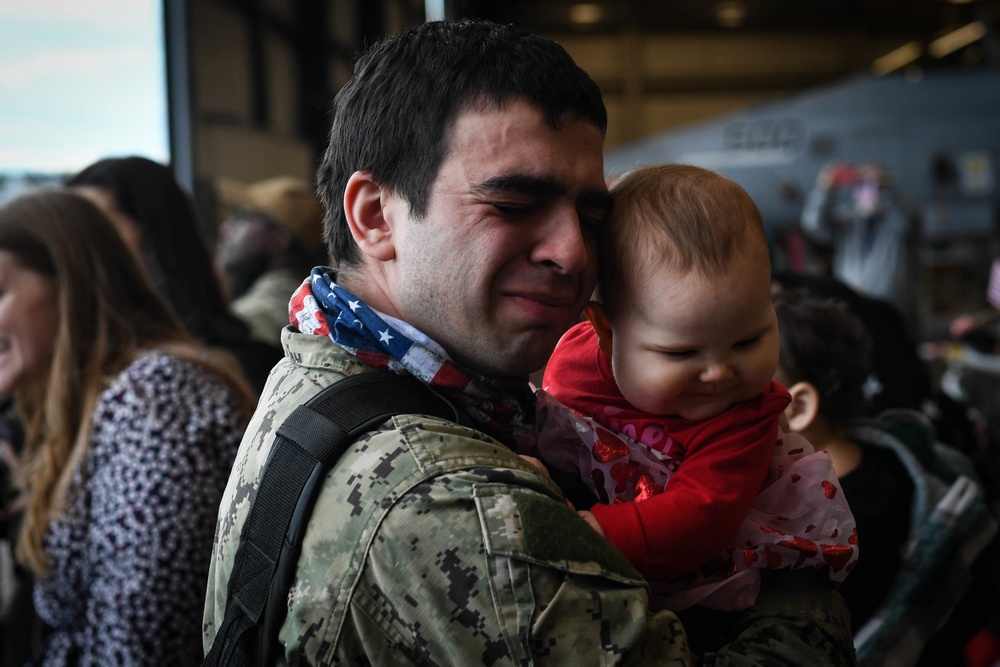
307,444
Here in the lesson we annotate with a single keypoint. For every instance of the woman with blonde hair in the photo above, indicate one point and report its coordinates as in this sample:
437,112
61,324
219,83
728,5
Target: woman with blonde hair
131,429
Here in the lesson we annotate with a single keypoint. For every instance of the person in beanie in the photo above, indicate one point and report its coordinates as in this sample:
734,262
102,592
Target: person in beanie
270,240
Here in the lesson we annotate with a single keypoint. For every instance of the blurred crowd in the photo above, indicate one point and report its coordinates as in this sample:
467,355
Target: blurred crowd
150,327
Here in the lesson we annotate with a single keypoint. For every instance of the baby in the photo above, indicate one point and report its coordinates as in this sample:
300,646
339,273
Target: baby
673,415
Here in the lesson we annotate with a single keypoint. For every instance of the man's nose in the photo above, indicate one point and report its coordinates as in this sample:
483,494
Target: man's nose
564,245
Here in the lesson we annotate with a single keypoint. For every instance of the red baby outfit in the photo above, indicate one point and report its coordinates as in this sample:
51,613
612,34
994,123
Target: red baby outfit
697,506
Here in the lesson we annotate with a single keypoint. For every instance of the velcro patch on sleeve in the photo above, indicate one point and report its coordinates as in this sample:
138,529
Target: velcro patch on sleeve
536,527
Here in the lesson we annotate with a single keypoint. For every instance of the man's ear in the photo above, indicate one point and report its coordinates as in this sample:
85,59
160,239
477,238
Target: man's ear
364,208
601,324
804,407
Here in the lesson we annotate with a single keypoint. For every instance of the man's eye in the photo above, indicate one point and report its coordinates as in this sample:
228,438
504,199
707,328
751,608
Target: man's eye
593,216
511,210
592,221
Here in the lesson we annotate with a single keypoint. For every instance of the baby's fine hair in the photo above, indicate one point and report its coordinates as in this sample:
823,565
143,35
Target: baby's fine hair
677,215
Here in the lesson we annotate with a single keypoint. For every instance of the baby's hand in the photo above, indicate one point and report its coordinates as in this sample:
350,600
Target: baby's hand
535,462
541,466
591,520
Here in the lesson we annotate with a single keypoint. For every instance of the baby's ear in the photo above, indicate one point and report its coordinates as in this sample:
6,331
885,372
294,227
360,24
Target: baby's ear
803,408
601,324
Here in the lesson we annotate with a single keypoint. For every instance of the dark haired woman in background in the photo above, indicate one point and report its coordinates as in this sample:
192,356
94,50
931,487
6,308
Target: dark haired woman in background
157,221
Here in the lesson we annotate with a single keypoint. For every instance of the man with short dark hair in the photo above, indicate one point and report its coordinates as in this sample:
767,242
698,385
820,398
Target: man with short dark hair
464,185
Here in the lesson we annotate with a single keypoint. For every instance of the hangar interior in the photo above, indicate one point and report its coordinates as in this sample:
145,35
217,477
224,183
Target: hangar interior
251,83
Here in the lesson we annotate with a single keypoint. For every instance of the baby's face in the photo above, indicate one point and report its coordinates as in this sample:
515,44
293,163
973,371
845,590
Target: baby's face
693,347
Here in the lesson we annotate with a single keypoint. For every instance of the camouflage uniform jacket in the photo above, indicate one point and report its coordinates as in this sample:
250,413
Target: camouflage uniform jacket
433,544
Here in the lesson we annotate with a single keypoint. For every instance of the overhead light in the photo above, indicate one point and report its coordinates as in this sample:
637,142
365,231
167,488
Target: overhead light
585,14
897,58
956,39
731,14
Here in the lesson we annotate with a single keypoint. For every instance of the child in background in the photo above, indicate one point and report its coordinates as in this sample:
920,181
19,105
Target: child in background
929,537
673,416
825,362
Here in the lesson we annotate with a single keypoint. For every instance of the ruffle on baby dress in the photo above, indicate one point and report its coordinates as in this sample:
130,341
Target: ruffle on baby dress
800,519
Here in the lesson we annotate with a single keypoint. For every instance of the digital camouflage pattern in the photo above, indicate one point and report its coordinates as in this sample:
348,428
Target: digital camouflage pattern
433,544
